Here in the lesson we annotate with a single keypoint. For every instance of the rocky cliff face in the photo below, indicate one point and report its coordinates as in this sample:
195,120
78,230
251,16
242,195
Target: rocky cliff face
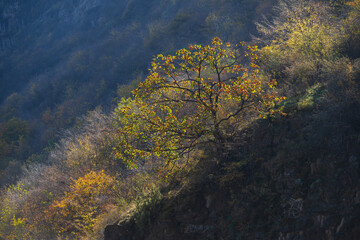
10,24
75,13
36,37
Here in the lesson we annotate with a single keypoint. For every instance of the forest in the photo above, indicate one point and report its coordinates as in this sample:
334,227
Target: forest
167,119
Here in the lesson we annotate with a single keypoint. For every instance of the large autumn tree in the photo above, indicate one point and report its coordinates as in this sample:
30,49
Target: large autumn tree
202,94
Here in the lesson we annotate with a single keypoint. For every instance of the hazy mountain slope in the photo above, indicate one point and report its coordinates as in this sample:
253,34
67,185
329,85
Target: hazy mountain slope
60,59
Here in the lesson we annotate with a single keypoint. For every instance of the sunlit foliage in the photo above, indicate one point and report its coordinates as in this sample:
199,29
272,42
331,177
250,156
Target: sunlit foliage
304,28
300,41
354,16
190,98
77,210
198,99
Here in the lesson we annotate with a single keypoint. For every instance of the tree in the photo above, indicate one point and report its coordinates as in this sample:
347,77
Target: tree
354,16
300,42
14,136
303,28
353,24
202,94
76,212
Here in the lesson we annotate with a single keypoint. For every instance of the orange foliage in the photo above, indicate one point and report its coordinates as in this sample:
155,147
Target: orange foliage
77,210
192,98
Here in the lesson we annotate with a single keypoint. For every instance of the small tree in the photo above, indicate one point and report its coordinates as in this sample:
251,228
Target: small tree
190,98
76,212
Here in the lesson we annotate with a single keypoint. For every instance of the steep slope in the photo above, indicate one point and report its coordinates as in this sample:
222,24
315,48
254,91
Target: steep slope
172,165
60,59
296,178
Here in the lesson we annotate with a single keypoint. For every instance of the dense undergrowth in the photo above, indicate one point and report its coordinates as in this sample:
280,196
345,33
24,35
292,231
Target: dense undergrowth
264,172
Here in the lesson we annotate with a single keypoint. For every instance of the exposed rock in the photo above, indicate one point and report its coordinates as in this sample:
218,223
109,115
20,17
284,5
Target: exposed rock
121,231
112,232
10,24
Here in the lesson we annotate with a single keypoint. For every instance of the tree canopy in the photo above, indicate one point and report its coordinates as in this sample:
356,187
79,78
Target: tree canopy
199,95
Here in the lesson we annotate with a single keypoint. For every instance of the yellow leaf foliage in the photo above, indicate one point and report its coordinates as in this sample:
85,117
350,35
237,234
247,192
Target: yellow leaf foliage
77,210
191,98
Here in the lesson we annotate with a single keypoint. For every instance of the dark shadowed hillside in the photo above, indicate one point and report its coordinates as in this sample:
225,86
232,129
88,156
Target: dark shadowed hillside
295,178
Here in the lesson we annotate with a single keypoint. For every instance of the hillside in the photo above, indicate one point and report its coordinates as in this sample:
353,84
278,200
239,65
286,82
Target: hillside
219,139
61,59
295,178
